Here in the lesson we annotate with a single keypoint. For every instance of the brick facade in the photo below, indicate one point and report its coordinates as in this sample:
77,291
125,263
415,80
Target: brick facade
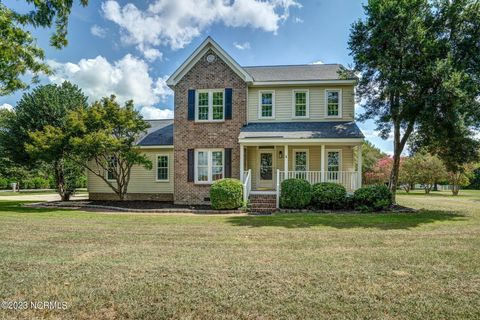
192,135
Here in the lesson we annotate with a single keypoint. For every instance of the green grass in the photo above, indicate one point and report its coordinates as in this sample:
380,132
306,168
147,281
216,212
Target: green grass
403,266
35,192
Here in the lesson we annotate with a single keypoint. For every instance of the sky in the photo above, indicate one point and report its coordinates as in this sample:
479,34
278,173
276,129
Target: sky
129,48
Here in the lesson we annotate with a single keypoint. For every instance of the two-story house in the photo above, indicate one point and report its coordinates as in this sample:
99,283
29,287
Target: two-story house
259,124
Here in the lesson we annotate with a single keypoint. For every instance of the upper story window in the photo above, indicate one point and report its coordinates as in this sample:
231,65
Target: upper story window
266,108
333,103
210,105
209,165
162,167
301,103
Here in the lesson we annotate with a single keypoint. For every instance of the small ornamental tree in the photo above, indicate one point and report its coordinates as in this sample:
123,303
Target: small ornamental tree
380,172
460,178
408,175
430,170
103,139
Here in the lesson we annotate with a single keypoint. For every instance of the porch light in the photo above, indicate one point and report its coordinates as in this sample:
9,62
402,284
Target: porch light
280,154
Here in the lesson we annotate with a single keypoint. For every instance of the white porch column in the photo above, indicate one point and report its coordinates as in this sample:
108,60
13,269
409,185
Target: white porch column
242,159
359,166
285,158
322,163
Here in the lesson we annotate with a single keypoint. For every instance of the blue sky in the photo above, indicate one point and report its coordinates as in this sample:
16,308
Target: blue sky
130,47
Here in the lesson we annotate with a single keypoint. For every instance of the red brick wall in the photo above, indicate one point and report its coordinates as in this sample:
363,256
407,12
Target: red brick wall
192,135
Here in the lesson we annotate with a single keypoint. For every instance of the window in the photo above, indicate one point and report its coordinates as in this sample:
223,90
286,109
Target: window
300,103
162,167
333,165
210,105
209,165
301,163
112,164
267,104
333,103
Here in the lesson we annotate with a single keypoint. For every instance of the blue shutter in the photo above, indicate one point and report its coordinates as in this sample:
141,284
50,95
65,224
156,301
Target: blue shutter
228,162
190,165
228,103
191,104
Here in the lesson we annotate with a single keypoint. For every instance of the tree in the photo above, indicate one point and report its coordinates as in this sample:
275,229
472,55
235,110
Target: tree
370,156
460,178
430,170
419,66
380,172
19,54
45,107
102,138
408,174
475,179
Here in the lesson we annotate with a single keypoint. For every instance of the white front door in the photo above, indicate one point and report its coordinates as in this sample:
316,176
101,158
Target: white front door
265,169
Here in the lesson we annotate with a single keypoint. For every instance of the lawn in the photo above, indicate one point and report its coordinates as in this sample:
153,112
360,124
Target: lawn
403,266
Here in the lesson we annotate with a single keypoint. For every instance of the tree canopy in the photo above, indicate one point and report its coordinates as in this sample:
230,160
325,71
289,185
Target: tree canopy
19,54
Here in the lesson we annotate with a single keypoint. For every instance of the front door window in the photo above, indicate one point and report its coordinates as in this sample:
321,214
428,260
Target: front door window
266,166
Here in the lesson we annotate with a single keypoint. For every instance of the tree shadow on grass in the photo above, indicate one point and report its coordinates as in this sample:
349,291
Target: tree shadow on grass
382,221
19,207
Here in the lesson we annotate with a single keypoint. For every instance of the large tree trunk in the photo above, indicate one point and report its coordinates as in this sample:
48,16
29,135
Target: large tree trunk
393,181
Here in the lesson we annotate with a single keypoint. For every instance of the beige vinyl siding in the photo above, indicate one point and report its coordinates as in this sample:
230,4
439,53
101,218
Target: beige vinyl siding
142,180
284,103
314,156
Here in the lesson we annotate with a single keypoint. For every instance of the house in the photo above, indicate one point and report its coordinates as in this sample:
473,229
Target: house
259,124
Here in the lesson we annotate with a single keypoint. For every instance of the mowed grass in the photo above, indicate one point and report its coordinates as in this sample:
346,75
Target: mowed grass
318,266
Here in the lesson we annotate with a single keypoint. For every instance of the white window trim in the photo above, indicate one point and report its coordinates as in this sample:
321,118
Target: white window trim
260,104
210,104
209,164
168,167
307,114
340,158
295,159
106,174
340,103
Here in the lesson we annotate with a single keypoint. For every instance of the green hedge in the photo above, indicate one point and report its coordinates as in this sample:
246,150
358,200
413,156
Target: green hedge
295,194
226,194
328,195
3,183
373,198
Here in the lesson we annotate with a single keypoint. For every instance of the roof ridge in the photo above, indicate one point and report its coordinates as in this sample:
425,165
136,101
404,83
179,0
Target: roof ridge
293,65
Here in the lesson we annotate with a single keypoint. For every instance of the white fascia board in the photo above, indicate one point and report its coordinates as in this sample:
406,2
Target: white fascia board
254,141
156,147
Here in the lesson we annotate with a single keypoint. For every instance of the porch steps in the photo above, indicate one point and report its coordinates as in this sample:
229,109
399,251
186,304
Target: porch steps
262,203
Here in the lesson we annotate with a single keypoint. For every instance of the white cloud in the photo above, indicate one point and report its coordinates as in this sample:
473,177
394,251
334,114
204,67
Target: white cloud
98,31
175,23
127,78
298,20
317,62
6,106
242,46
156,113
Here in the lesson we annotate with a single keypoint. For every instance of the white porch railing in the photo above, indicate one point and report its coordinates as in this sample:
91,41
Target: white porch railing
349,179
247,184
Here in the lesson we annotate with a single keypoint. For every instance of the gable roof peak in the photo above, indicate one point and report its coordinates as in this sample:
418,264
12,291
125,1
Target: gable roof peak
207,44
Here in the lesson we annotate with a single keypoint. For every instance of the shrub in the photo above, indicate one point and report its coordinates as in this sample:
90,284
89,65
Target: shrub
226,194
328,195
3,183
40,183
372,198
27,184
295,194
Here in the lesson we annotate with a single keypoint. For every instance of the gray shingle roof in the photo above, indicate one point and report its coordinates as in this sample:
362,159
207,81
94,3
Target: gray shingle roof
301,130
159,134
308,72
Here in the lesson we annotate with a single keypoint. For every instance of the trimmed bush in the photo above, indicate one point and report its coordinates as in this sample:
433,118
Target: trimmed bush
295,194
226,194
372,198
328,195
40,183
3,183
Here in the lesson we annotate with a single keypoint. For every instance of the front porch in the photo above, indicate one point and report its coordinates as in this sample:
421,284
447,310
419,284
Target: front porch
263,167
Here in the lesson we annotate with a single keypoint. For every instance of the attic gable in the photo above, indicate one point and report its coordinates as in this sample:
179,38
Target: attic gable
208,44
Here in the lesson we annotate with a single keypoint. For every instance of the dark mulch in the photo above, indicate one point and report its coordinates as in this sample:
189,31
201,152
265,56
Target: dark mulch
132,204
